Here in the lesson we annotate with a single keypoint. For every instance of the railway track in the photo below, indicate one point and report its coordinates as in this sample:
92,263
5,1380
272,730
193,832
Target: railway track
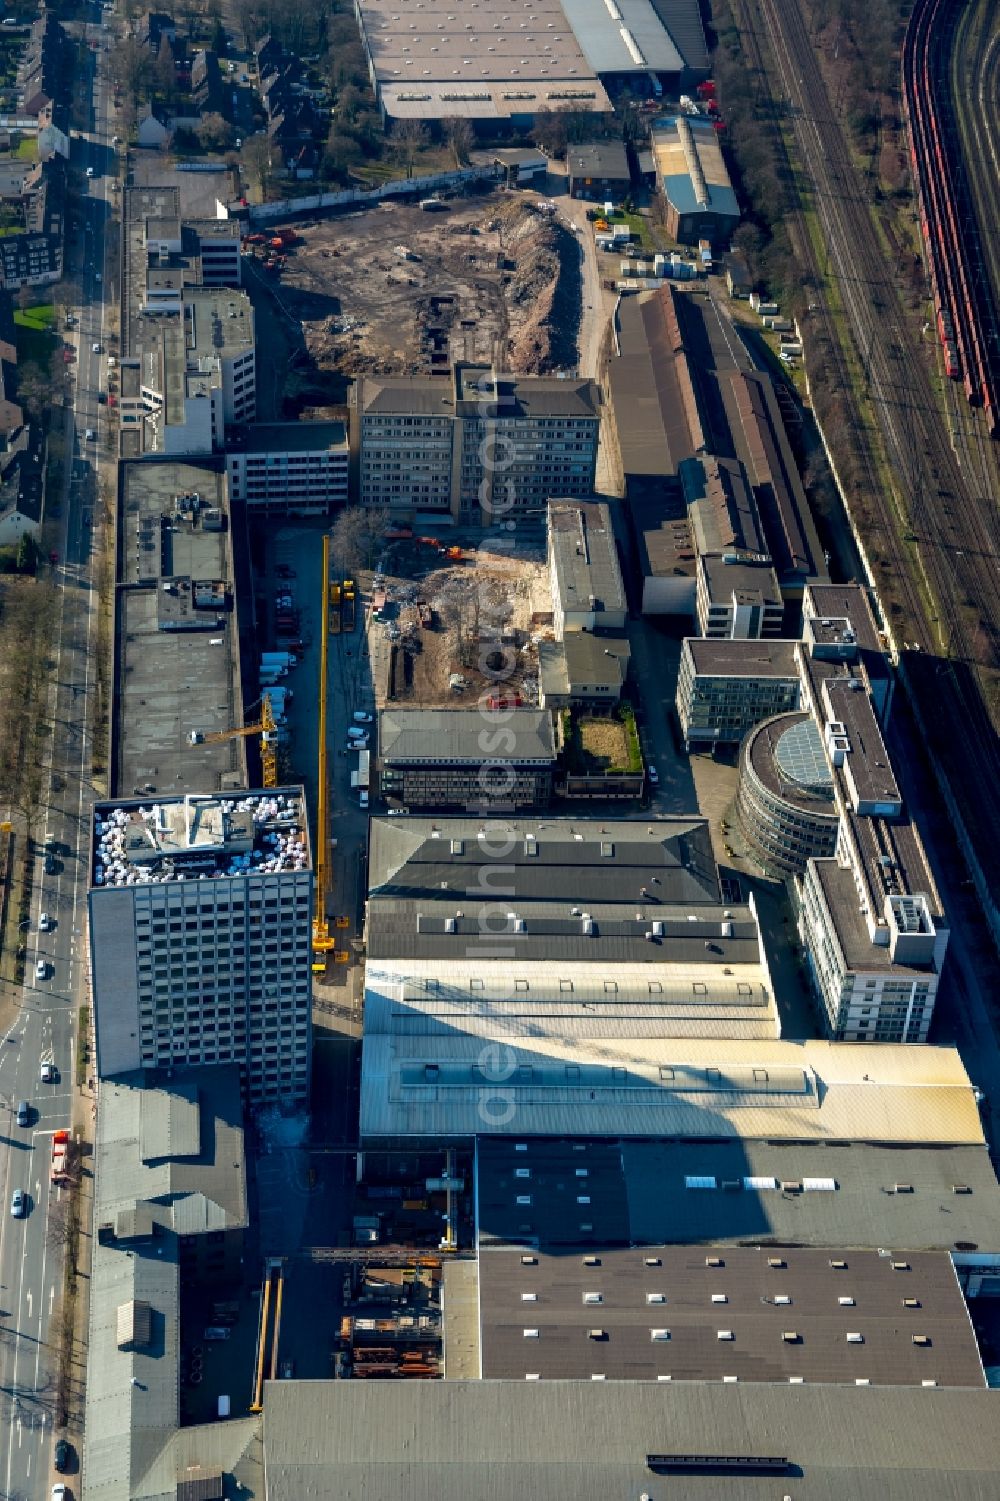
951,513
883,533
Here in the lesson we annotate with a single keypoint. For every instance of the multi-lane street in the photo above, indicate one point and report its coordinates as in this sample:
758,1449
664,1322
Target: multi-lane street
41,1017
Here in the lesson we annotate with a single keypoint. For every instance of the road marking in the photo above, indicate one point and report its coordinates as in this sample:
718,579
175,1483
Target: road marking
29,1298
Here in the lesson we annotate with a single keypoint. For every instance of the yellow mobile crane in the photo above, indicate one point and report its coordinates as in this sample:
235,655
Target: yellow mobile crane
266,729
321,941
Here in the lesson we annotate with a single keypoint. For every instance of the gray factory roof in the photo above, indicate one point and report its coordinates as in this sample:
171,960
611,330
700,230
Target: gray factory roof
439,1086
738,658
582,663
630,38
926,1198
462,737
453,1440
602,934
473,391
608,862
289,437
168,1161
604,159
165,1142
761,441
650,392
169,682
688,1320
738,576
722,509
663,531
584,556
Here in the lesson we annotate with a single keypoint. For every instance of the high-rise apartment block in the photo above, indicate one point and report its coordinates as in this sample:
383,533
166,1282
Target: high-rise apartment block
477,446
200,928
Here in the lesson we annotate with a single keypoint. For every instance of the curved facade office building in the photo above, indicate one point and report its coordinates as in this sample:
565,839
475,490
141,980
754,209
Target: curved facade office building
785,801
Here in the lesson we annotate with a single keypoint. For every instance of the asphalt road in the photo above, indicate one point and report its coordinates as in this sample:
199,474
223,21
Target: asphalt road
31,1258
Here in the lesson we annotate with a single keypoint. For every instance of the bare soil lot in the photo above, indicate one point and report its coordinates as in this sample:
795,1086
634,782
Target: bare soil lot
396,290
487,614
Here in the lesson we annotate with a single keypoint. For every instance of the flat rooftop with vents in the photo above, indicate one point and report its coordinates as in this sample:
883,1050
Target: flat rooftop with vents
746,1191
177,637
659,1313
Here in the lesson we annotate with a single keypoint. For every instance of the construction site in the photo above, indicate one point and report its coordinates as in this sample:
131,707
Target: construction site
393,290
448,624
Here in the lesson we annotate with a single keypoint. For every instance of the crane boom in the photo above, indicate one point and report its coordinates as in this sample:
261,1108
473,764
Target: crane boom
265,728
321,941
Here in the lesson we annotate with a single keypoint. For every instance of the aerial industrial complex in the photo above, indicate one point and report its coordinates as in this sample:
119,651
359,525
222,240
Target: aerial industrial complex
488,971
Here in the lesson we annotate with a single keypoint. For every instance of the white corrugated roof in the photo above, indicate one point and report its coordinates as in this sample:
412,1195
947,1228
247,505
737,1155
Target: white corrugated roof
694,1087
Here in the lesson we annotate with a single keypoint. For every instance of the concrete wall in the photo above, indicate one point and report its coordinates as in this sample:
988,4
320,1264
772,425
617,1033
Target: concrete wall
266,213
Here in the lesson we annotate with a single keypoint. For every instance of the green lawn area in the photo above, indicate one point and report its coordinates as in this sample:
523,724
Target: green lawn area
27,149
34,326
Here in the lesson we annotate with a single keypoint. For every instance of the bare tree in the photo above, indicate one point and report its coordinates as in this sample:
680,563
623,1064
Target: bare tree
215,133
258,158
459,135
410,137
358,534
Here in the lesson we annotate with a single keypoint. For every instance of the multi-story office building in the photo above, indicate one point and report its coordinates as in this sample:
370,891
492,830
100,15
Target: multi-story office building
737,597
282,468
587,589
195,373
786,804
188,366
476,446
200,929
871,918
723,690
453,758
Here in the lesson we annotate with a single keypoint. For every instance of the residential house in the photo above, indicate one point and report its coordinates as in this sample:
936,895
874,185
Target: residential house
152,130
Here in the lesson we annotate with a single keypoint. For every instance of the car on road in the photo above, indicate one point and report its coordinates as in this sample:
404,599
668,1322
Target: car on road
362,799
90,171
23,1113
18,1206
47,1072
654,775
102,399
44,922
95,348
50,866
360,717
398,812
358,743
89,435
287,1370
41,970
62,1454
60,1492
97,274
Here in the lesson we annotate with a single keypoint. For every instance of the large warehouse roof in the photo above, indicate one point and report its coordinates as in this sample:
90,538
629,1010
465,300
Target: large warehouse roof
774,1193
435,1086
456,1440
626,37
492,62
666,1311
